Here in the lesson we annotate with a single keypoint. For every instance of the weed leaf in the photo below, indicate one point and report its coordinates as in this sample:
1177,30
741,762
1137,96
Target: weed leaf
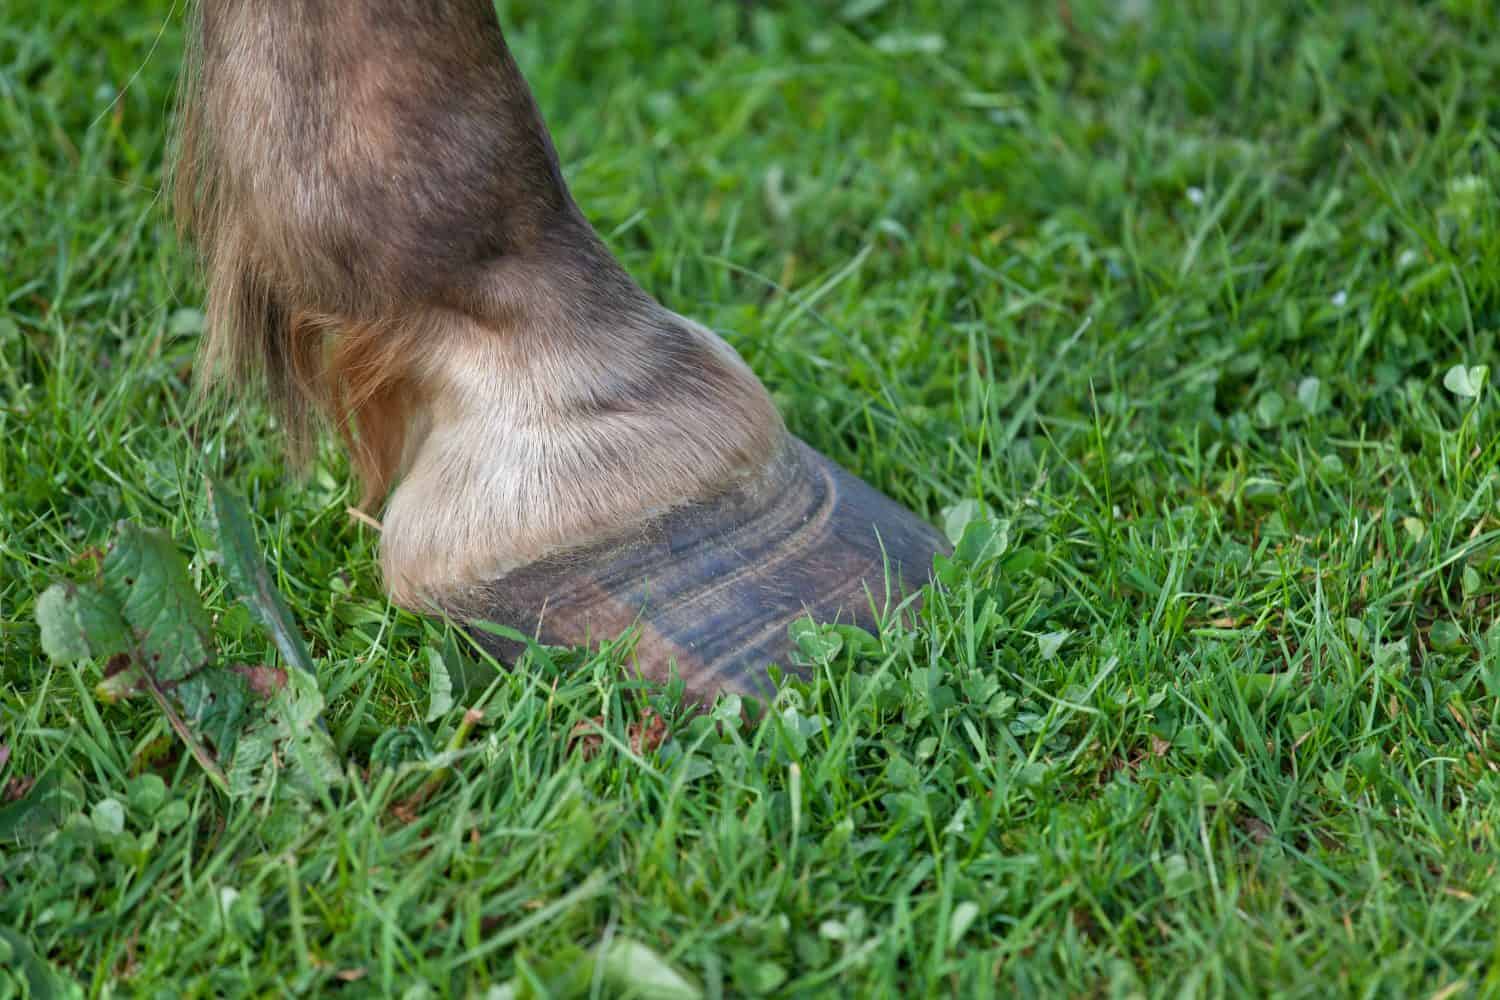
630,965
78,623
1466,382
41,980
55,796
147,579
285,746
439,686
251,581
145,609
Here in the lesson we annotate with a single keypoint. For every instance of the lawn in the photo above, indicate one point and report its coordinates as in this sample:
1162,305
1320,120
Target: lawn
1180,310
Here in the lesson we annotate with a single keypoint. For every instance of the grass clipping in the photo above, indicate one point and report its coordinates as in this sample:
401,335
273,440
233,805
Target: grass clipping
254,730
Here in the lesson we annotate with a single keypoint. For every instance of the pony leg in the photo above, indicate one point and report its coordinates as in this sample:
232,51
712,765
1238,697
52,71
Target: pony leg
389,242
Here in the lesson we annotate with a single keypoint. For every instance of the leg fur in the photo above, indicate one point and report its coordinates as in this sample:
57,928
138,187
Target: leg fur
388,240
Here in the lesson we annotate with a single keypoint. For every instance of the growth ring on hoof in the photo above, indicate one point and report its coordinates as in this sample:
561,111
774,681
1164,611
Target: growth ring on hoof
713,586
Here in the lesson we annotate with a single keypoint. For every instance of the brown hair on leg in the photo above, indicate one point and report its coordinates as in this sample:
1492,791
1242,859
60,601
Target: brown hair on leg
340,162
388,241
372,394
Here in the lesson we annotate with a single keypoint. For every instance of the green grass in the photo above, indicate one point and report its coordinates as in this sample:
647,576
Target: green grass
1223,717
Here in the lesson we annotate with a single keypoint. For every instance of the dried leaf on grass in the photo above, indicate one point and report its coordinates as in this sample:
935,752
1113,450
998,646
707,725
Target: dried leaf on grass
644,735
649,733
17,788
263,681
584,738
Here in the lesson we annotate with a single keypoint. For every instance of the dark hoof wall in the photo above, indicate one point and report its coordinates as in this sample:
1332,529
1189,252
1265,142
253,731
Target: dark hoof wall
712,588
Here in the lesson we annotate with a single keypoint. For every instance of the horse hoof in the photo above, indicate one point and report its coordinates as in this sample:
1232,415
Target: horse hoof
712,587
